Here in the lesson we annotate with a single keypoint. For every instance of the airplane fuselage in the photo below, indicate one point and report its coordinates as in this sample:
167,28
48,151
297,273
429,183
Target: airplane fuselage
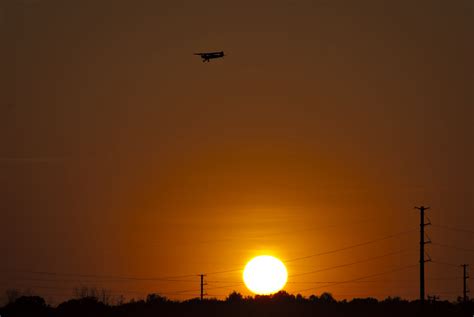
206,57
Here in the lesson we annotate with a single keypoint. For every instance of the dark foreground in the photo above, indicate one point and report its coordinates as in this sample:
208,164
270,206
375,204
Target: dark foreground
281,304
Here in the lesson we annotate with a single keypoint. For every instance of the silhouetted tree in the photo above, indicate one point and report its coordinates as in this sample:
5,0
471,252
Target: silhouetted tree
300,298
234,297
120,300
313,298
105,295
102,295
283,296
155,299
27,306
86,292
87,306
281,304
364,301
326,298
433,299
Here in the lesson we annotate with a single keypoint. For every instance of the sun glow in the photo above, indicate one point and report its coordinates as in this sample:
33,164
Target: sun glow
265,275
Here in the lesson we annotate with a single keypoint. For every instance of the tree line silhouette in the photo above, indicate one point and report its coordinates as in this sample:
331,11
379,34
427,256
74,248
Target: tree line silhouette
90,302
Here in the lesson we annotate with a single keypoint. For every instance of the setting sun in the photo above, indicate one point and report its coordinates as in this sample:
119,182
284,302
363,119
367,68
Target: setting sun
265,275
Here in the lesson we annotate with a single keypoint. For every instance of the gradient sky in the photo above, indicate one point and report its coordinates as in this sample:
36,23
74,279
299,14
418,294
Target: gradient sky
123,155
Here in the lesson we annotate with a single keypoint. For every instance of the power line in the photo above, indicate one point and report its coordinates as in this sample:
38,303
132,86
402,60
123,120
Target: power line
386,294
179,278
445,263
183,292
326,252
349,264
226,271
226,286
379,281
113,291
450,228
96,281
182,278
330,268
113,277
351,246
220,282
219,287
453,247
325,269
338,266
361,278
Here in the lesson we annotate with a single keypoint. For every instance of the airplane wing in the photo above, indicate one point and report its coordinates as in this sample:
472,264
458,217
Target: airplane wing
209,53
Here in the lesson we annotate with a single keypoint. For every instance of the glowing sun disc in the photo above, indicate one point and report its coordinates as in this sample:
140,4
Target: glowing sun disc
265,275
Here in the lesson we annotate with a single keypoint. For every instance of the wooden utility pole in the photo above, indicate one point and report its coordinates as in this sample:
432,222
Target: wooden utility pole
465,277
422,210
202,285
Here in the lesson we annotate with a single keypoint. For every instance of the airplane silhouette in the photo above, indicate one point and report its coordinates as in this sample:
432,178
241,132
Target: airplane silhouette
206,57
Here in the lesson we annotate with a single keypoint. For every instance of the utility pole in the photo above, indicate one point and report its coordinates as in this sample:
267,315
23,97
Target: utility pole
422,210
202,285
465,277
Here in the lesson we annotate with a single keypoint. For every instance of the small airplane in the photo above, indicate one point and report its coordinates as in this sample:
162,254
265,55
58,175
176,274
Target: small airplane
206,57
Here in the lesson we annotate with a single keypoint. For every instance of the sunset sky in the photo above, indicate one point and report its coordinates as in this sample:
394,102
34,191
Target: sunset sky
123,155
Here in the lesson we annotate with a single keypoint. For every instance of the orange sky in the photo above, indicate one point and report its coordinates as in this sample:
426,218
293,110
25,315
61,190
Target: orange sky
123,155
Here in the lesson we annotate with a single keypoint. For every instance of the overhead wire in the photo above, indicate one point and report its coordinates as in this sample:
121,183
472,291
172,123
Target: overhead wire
326,252
445,263
179,278
452,247
351,246
361,278
450,228
185,277
351,263
176,278
321,270
33,287
379,281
